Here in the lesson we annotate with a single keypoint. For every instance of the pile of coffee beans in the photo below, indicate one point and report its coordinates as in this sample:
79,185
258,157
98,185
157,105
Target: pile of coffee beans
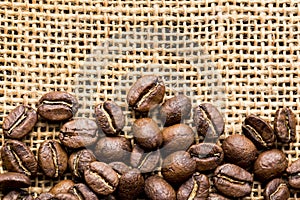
158,163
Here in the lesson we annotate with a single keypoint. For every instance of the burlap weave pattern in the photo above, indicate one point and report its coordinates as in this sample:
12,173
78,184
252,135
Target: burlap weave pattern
252,45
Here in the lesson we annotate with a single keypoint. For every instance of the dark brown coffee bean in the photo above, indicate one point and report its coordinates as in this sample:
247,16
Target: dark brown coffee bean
52,158
17,157
259,132
156,188
18,195
79,160
14,180
144,161
239,150
147,134
19,122
178,167
232,180
276,189
270,164
207,156
45,196
209,121
57,106
175,109
101,178
285,125
197,187
62,187
214,196
293,172
110,149
110,117
131,184
176,138
146,93
65,196
119,167
83,192
78,133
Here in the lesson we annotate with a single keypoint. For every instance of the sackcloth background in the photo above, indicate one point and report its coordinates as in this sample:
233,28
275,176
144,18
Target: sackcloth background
243,56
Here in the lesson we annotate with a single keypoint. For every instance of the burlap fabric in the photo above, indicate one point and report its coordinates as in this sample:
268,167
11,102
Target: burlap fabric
243,56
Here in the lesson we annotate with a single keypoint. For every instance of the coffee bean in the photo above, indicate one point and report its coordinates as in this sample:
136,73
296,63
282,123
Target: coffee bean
79,160
19,122
176,138
62,187
45,196
78,133
110,117
119,167
101,178
147,134
18,195
14,180
259,132
83,192
293,172
57,106
144,161
197,187
17,157
239,150
156,188
110,149
270,164
65,196
209,122
52,158
131,184
206,155
175,109
285,125
232,180
215,196
178,167
276,189
146,93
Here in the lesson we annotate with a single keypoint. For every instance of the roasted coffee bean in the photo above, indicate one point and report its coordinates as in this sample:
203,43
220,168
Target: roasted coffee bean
83,192
239,150
14,180
62,187
144,161
110,149
197,187
207,156
78,133
131,184
101,178
79,160
110,117
45,196
175,109
259,132
178,167
270,164
18,195
119,167
209,122
285,125
215,196
52,158
146,93
276,189
65,196
57,106
176,138
147,134
232,180
17,157
19,122
156,188
293,172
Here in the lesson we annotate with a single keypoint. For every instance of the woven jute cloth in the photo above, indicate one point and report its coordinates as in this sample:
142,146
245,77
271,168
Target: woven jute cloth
242,56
